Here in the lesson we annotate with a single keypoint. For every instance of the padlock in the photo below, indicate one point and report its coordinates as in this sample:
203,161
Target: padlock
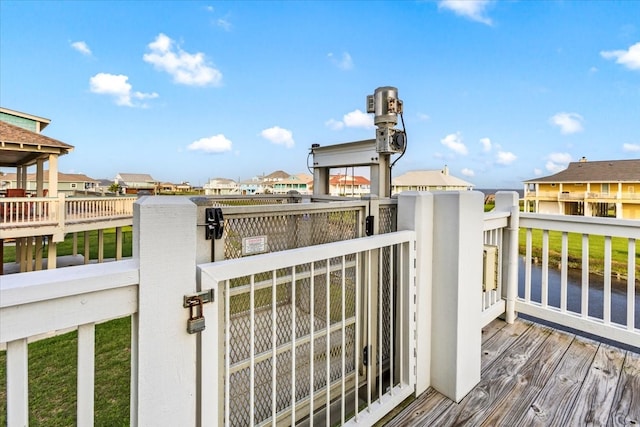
196,322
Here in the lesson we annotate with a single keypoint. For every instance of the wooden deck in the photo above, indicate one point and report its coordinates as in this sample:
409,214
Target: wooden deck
533,375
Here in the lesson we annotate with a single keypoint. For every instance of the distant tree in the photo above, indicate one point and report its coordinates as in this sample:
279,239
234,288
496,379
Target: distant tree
115,188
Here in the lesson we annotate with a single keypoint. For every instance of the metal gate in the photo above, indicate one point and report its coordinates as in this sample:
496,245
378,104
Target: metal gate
316,335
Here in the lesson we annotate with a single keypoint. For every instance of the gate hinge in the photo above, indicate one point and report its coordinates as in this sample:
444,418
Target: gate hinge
205,297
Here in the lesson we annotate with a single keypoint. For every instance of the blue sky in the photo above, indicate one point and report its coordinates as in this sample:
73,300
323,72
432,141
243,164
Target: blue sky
500,91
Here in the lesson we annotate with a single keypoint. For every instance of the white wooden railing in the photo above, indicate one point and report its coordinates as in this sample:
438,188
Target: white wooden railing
33,211
47,302
291,328
600,324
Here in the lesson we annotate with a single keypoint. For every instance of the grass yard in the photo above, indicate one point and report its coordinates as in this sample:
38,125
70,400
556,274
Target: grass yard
619,251
66,247
52,378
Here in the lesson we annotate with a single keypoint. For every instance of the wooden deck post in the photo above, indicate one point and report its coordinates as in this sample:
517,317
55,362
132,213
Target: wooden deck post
164,244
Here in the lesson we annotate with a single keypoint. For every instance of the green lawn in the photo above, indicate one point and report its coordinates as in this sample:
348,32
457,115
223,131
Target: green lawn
619,251
52,378
66,247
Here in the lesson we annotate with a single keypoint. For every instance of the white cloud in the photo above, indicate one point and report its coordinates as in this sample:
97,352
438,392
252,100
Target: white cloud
630,147
472,9
537,172
117,85
344,62
224,24
358,119
557,162
423,117
354,119
505,157
185,68
213,144
629,58
334,124
278,135
486,144
82,48
567,122
468,172
454,143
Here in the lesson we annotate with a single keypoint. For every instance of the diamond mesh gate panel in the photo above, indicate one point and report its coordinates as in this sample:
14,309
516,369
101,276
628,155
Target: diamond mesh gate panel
315,309
289,231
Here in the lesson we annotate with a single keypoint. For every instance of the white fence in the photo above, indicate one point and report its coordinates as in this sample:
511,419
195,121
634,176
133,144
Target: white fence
293,326
321,303
34,211
45,302
583,317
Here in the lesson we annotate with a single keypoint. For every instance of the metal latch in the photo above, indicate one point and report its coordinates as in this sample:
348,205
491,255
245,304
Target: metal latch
205,297
215,223
196,322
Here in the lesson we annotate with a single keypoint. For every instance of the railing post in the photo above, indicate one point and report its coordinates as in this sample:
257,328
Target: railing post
165,245
457,292
508,201
415,212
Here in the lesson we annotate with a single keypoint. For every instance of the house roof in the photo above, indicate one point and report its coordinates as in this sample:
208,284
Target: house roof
21,147
43,122
596,171
432,178
62,177
277,175
348,180
136,177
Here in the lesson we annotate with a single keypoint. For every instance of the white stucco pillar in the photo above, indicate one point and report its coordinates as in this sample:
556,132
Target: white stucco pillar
164,244
457,292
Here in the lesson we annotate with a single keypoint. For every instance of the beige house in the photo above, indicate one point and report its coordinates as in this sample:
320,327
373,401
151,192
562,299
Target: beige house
609,188
220,186
302,183
429,180
68,183
22,146
132,183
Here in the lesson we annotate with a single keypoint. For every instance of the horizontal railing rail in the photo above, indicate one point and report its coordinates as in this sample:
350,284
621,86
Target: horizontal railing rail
557,302
54,301
291,328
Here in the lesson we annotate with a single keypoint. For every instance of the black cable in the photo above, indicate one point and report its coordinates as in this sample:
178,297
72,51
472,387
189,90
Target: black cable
308,168
404,149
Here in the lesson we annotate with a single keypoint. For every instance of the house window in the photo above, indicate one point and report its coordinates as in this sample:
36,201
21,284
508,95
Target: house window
74,185
553,184
604,188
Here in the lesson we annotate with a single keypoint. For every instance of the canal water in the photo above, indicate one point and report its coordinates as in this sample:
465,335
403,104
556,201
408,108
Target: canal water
574,292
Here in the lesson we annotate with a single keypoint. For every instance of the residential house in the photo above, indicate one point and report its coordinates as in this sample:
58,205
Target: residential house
302,183
69,183
349,185
220,186
133,183
609,188
22,146
429,180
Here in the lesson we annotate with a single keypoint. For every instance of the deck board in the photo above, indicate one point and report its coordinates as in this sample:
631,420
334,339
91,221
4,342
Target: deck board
593,403
533,375
525,386
626,409
555,401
